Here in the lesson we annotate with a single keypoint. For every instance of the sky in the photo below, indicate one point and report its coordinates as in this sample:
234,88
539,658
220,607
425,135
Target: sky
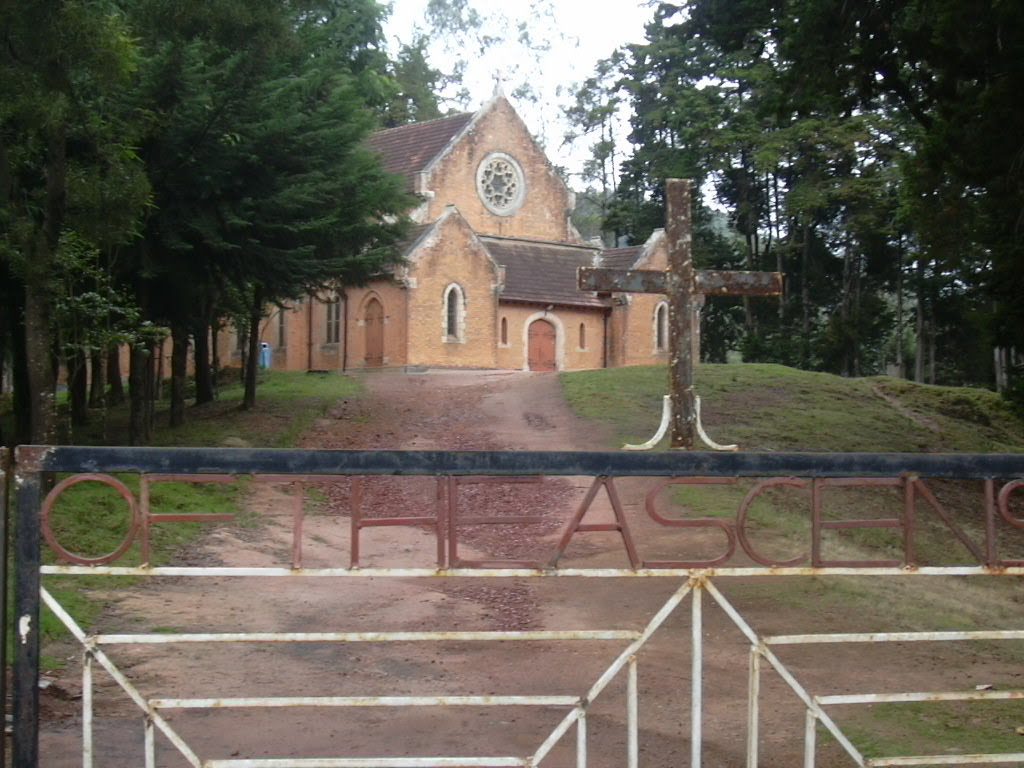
577,32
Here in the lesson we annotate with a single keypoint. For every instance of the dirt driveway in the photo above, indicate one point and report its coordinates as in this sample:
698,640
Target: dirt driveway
461,411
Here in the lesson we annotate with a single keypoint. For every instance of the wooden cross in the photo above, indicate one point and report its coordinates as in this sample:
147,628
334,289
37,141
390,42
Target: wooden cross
681,283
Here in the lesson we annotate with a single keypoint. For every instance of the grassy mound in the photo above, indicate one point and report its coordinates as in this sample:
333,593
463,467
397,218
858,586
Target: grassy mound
766,407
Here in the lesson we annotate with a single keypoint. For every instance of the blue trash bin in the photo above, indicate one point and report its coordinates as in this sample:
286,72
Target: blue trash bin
266,355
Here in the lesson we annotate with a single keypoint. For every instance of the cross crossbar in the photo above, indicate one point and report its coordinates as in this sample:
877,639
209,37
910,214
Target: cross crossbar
708,282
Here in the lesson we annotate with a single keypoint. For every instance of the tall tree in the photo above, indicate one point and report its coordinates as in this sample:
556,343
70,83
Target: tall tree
65,162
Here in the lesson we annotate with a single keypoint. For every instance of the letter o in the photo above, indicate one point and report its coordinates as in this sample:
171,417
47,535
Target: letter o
63,485
1004,503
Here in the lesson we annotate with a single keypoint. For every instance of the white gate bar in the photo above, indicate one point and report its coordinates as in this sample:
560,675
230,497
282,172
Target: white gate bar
810,738
359,637
554,737
753,700
370,762
367,701
150,744
581,739
133,693
87,746
785,674
524,573
652,626
696,675
616,666
632,717
882,698
946,760
896,637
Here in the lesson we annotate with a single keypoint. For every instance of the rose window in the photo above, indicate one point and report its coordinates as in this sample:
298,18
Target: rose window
500,184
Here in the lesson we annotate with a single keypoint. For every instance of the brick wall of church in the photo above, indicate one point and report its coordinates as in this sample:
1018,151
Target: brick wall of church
545,210
633,323
293,346
574,356
452,256
393,301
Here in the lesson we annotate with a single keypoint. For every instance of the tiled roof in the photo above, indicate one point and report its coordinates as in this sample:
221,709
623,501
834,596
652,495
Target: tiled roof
408,149
620,258
415,233
542,272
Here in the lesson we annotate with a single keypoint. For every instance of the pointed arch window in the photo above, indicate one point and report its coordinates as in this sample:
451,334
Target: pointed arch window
583,336
504,331
454,314
333,331
282,329
661,327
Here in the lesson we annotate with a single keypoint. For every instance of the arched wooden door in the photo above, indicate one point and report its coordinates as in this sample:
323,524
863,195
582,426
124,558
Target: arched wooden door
374,327
541,353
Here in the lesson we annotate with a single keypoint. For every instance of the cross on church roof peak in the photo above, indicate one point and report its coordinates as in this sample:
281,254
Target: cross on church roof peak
499,83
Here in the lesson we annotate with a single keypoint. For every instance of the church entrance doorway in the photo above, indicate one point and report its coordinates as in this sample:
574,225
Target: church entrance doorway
374,321
541,355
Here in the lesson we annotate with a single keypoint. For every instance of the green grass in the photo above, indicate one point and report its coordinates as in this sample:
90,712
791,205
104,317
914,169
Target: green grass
765,407
91,519
773,408
933,728
287,403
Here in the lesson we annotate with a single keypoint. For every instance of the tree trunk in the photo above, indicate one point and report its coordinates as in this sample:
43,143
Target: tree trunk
116,394
215,358
805,298
253,361
149,387
179,374
78,387
97,379
204,381
846,364
137,364
857,346
158,377
931,352
899,307
919,352
38,300
19,371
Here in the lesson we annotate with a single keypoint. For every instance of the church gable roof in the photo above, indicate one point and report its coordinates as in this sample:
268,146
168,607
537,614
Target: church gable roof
620,258
409,149
633,256
541,272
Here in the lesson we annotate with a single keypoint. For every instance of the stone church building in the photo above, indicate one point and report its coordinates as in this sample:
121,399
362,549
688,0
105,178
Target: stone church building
489,277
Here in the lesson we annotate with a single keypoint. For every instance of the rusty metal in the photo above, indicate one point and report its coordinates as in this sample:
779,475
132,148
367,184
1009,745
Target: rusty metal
148,519
819,524
1002,476
50,537
359,521
1004,503
620,525
456,519
650,505
744,511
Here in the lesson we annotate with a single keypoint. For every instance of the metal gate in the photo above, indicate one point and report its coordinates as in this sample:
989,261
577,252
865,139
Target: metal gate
1000,479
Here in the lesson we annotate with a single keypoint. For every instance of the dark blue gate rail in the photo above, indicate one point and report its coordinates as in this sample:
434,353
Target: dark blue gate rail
32,463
